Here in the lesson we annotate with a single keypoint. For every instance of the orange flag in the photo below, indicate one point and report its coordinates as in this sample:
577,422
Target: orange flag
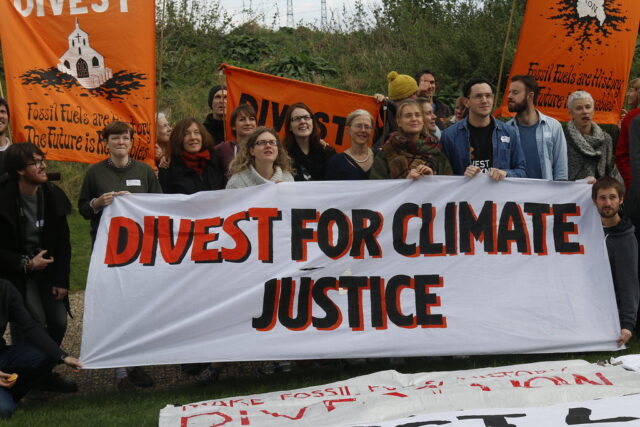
74,66
569,45
271,97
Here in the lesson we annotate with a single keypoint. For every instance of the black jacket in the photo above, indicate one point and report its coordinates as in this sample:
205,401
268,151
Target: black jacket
310,167
55,236
12,310
622,248
215,128
180,179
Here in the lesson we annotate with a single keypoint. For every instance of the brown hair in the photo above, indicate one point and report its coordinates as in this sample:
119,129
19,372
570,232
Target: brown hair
18,155
290,139
180,130
241,110
607,182
116,128
243,158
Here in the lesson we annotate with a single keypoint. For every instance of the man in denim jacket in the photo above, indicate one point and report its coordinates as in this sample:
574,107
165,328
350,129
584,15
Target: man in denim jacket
542,138
480,143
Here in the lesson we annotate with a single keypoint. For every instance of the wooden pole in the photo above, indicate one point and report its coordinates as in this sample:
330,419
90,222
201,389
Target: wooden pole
161,43
504,54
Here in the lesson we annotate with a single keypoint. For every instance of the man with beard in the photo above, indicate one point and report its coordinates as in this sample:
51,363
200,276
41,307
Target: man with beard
543,142
607,194
214,122
426,81
35,249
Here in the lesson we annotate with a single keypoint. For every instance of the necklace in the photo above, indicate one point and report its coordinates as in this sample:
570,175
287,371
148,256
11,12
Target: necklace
360,161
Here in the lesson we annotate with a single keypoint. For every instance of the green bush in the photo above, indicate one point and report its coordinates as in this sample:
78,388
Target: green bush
301,67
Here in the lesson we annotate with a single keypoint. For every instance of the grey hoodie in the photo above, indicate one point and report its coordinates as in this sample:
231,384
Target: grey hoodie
623,258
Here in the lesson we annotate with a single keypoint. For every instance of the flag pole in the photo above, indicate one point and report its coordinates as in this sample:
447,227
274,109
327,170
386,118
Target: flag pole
504,54
161,43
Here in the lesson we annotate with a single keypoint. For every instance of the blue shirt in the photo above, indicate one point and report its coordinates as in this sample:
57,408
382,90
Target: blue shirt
530,148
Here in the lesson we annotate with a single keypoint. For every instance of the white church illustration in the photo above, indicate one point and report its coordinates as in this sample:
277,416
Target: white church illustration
83,62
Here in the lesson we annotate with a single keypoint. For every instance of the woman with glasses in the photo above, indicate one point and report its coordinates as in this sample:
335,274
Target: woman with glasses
261,160
409,153
194,165
302,140
355,162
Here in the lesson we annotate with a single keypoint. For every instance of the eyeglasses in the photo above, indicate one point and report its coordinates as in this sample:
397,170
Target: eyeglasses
306,118
362,127
37,163
263,142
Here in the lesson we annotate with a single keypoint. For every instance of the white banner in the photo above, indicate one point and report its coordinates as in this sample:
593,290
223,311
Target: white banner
380,399
440,266
620,411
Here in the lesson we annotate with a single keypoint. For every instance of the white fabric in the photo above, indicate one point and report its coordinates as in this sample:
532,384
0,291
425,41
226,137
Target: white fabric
629,361
614,411
187,312
7,143
370,400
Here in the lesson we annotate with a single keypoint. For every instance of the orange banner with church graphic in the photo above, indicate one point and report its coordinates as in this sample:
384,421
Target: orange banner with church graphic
73,67
569,45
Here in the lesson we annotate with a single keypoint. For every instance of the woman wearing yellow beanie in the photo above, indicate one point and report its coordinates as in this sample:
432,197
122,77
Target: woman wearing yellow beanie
401,86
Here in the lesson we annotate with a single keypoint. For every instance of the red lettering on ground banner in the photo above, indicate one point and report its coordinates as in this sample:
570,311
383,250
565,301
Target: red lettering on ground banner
329,404
581,380
184,421
482,387
430,384
395,394
244,419
275,414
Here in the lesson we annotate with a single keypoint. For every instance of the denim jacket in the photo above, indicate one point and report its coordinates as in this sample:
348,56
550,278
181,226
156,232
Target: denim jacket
552,147
507,151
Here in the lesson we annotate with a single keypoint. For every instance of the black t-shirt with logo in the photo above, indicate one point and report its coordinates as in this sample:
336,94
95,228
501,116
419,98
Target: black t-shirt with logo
482,146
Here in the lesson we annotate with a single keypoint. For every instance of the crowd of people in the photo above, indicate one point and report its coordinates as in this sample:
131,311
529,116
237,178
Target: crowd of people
421,136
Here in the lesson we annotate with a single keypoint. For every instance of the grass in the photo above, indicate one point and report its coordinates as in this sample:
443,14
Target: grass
142,408
81,250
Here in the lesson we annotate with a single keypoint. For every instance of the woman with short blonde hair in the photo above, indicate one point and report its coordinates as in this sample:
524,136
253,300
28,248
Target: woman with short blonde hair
589,148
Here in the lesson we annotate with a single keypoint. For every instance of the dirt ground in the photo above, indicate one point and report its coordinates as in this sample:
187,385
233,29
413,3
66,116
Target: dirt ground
90,380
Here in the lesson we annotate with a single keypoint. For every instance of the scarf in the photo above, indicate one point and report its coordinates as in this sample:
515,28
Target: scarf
403,155
196,162
595,147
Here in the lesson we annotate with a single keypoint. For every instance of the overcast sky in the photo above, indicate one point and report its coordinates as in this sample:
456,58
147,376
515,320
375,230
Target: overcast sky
307,11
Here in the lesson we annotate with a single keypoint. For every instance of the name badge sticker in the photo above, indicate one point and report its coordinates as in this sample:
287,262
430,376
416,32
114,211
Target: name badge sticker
133,183
505,139
547,134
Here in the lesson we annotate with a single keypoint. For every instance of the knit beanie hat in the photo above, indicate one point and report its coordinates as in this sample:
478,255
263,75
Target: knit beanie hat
401,86
215,90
